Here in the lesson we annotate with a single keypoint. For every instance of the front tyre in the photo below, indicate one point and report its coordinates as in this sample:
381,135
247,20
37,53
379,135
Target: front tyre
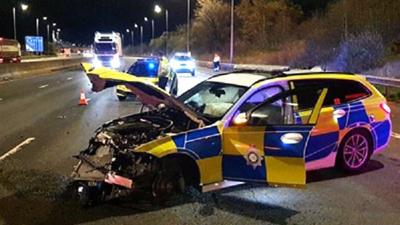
354,151
167,184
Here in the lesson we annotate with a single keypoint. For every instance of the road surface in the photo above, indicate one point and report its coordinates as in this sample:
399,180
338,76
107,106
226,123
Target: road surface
41,116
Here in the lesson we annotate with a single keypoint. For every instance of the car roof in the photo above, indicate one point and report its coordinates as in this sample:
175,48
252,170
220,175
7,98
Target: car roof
250,78
240,79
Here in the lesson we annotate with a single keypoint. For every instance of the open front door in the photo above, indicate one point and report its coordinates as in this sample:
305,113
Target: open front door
270,147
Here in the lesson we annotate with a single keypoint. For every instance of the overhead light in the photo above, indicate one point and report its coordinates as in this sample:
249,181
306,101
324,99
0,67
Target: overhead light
157,9
24,7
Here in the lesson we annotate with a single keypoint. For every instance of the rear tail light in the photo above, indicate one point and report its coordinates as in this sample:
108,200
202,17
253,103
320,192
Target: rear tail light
385,108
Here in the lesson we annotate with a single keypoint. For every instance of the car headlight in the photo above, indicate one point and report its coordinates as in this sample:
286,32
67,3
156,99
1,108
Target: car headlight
96,62
115,62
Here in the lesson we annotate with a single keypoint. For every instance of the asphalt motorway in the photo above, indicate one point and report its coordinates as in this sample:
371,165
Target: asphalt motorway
43,115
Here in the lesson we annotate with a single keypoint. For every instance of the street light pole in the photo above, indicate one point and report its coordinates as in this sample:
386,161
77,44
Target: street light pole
37,26
48,32
141,39
166,31
15,22
232,31
188,27
133,37
152,29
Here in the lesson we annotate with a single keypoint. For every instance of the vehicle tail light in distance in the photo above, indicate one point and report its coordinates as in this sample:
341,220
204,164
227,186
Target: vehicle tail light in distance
385,108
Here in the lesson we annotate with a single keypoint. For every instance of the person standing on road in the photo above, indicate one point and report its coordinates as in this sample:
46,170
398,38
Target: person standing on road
163,74
217,62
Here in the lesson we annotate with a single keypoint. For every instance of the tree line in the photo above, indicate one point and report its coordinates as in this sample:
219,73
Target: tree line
348,35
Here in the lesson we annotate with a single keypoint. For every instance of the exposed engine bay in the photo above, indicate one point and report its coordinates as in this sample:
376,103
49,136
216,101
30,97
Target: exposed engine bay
110,167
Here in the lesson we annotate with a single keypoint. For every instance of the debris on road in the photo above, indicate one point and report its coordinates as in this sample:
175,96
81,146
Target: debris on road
43,86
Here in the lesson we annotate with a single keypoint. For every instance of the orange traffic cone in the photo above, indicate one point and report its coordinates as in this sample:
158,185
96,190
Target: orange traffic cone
82,99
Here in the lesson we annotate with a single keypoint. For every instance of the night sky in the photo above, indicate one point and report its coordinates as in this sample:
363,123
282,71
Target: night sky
79,19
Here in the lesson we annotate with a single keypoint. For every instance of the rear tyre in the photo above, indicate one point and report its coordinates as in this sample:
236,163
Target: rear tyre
354,151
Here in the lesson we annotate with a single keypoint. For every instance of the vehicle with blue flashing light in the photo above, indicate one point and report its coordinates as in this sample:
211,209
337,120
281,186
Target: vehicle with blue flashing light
149,69
107,49
183,62
243,126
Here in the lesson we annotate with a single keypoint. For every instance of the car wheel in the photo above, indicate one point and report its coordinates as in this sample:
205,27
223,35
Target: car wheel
86,196
122,97
168,183
354,151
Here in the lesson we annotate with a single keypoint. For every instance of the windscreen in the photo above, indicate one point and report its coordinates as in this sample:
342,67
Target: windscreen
182,58
211,99
105,47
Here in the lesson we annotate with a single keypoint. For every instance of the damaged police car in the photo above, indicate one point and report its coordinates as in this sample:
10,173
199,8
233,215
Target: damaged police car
240,127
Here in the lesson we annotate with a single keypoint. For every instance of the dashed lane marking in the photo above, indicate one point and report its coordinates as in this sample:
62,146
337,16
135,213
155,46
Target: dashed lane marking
395,135
43,86
69,78
17,148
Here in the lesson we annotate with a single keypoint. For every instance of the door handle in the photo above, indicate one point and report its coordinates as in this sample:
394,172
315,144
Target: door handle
291,138
339,113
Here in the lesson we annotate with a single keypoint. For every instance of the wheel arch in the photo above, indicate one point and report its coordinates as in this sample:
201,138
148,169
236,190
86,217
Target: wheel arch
188,166
364,130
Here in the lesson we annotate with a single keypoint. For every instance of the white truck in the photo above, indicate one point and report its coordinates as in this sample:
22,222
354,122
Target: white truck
10,51
107,49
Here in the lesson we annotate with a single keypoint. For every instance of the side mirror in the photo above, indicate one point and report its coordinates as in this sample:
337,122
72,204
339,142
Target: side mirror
240,119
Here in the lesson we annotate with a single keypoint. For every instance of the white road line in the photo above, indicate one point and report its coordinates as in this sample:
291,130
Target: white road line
17,148
69,78
43,86
395,135
1,99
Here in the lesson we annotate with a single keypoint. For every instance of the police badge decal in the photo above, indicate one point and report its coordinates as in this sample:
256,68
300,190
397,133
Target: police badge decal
253,157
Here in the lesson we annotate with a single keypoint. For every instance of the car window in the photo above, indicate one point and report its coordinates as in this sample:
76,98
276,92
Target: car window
283,109
212,99
340,92
147,68
182,58
259,97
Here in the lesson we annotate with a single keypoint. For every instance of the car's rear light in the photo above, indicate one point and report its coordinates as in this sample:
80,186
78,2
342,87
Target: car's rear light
385,108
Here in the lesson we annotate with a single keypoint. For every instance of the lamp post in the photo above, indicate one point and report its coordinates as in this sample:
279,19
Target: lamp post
24,7
152,29
158,10
141,39
188,27
53,35
232,31
37,26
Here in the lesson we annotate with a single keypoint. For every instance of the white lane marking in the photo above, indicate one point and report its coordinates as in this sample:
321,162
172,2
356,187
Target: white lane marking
69,78
1,99
43,86
17,148
395,135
